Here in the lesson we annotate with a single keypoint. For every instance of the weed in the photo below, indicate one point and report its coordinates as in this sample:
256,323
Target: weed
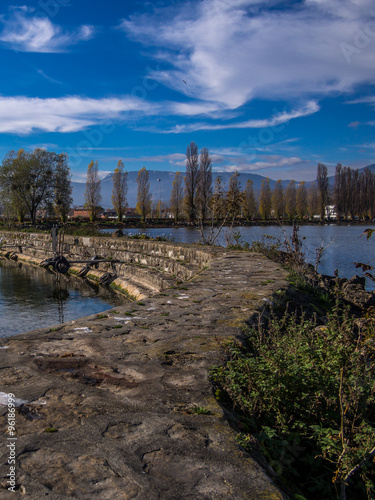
200,410
306,393
50,429
266,282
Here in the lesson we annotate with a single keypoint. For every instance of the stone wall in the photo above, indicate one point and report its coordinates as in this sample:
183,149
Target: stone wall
145,267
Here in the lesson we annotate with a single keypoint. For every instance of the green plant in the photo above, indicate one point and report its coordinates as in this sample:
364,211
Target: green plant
307,393
200,410
50,429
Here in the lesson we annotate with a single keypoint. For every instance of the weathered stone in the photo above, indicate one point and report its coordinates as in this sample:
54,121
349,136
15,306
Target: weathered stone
110,412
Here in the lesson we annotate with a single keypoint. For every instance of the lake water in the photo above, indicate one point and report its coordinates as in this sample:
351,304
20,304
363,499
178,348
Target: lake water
31,298
343,245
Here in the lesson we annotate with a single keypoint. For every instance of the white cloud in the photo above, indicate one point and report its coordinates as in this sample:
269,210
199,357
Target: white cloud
230,52
23,115
28,33
268,163
279,118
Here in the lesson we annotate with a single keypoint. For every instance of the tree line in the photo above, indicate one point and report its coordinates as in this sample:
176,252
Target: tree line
31,181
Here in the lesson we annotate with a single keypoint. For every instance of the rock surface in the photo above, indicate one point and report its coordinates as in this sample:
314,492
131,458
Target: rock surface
114,400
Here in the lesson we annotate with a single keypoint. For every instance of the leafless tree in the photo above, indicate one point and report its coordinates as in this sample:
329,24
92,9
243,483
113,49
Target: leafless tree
291,200
191,181
62,198
92,195
204,188
301,201
249,202
265,200
278,200
143,194
120,190
322,183
177,196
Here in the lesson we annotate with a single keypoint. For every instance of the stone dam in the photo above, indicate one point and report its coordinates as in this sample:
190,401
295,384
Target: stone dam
110,402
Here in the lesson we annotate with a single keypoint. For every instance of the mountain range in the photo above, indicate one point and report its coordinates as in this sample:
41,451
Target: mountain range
162,188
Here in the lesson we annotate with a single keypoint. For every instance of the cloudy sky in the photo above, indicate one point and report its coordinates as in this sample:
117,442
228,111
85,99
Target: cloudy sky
271,87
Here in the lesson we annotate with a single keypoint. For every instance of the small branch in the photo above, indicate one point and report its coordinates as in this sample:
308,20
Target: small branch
360,465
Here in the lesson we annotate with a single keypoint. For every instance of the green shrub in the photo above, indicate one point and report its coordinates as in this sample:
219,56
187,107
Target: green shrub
307,393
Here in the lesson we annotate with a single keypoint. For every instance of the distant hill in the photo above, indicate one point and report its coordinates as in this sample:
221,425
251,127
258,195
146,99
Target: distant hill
164,187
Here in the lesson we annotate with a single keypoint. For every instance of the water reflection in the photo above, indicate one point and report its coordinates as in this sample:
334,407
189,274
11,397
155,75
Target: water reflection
32,298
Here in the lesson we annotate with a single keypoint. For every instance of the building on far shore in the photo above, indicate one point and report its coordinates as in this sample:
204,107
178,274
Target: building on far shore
83,212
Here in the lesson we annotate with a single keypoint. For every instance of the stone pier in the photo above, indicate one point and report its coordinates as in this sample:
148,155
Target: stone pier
119,405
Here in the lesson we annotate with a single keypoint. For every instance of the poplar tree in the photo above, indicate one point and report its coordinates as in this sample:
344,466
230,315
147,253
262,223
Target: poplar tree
143,194
191,181
278,200
234,197
204,188
301,201
249,201
92,195
338,191
120,190
313,199
291,200
177,196
322,183
218,201
265,201
62,198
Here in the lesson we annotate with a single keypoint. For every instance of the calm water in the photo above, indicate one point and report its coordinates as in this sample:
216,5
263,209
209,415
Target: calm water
343,244
30,298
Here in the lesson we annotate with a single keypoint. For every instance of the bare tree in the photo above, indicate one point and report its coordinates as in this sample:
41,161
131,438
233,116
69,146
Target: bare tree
313,199
177,196
291,200
249,201
62,199
120,190
92,193
322,183
143,194
265,202
234,197
191,181
301,201
204,188
278,200
338,191
218,200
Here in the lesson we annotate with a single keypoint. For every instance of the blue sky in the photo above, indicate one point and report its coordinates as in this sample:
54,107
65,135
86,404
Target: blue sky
270,87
